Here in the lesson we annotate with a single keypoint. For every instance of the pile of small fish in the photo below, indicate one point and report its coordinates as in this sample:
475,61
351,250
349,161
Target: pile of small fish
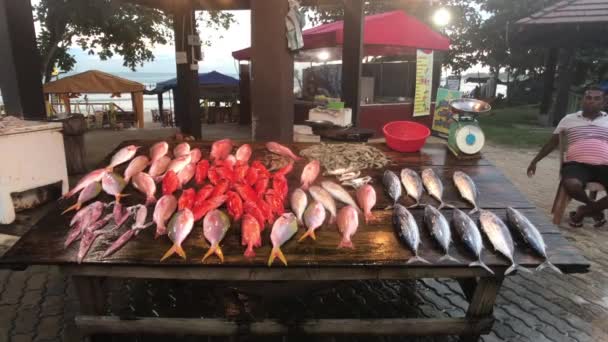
338,159
493,227
248,191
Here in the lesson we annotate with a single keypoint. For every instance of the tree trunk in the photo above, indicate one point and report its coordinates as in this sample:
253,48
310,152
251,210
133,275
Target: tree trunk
48,62
566,73
548,81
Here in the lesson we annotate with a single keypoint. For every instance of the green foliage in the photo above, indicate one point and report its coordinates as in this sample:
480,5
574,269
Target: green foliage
516,127
105,28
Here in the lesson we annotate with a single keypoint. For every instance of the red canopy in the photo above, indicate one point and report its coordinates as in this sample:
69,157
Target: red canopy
390,33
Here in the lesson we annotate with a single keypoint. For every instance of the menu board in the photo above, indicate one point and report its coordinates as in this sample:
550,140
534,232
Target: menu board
441,124
424,81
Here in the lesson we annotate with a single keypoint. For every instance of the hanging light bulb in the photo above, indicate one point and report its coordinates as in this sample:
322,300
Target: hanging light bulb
442,17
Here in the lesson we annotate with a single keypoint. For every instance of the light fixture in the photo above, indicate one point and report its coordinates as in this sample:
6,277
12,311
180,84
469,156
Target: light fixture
442,17
323,56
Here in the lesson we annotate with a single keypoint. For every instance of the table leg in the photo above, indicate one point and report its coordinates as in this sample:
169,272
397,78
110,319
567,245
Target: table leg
483,298
91,297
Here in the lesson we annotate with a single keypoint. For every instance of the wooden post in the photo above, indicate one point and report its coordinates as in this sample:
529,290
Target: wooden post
352,55
20,77
244,95
566,71
548,80
272,100
481,304
186,98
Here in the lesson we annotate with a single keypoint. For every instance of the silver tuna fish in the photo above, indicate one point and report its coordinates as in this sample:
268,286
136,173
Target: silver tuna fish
500,237
467,189
531,236
439,227
392,185
469,234
434,186
408,231
413,185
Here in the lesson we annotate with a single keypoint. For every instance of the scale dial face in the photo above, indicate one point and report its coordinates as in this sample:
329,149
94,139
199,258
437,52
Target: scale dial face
470,139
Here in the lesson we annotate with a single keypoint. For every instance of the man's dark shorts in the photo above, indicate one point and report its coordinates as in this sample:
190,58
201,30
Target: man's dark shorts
586,172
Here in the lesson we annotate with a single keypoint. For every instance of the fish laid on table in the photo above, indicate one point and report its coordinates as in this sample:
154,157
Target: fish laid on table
158,150
89,235
407,231
195,155
283,229
181,149
310,173
469,233
320,195
90,192
243,153
159,166
234,204
221,149
122,156
120,215
84,218
165,207
531,236
202,194
215,226
179,228
202,167
366,196
92,177
186,174
138,225
170,183
186,199
145,184
179,163
500,237
137,165
338,192
433,186
439,227
413,185
250,235
338,159
348,221
113,184
252,209
281,150
298,202
314,216
467,189
392,186
210,204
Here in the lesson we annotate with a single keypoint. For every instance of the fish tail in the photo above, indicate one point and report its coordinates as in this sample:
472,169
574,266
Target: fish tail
110,168
346,244
332,219
174,249
219,253
150,200
441,205
369,217
309,233
511,268
249,252
160,230
389,207
546,264
119,196
276,253
74,207
419,259
475,209
448,257
210,251
482,265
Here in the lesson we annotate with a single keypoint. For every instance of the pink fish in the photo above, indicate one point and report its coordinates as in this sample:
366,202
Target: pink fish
366,196
159,166
137,165
91,177
283,229
122,156
120,215
221,149
251,235
158,150
298,202
281,150
84,218
215,226
88,237
90,192
113,184
180,227
310,173
181,149
179,163
165,207
231,161
313,218
145,184
243,153
348,221
83,214
140,219
195,155
186,174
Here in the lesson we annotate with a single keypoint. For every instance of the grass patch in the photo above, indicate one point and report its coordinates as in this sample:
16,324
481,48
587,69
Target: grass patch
515,127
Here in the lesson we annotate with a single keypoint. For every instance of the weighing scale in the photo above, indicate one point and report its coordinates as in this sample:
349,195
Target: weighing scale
466,138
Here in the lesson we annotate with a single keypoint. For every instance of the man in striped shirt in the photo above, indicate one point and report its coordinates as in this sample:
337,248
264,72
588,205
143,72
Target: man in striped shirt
586,157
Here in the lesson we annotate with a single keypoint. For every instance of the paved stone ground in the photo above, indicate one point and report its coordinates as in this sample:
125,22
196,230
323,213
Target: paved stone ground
39,303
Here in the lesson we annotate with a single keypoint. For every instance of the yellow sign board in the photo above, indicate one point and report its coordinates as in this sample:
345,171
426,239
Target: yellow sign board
441,118
424,82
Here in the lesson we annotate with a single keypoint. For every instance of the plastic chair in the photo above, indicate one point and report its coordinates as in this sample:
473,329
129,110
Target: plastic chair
562,199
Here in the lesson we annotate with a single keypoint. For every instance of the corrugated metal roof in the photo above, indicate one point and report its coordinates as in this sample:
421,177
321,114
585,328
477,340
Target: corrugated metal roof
570,12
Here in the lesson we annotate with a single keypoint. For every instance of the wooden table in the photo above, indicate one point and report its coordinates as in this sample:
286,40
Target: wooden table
378,255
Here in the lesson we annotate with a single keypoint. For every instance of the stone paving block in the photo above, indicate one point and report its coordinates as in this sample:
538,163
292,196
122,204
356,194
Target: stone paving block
36,281
26,321
22,338
12,294
31,299
52,305
49,328
7,317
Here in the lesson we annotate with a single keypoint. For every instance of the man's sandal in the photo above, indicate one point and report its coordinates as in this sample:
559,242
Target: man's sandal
600,220
574,223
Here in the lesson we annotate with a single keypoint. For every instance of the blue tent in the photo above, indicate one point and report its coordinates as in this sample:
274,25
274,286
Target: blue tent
208,79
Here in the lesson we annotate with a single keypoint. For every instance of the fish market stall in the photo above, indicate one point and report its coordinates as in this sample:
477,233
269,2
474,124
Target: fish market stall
360,212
